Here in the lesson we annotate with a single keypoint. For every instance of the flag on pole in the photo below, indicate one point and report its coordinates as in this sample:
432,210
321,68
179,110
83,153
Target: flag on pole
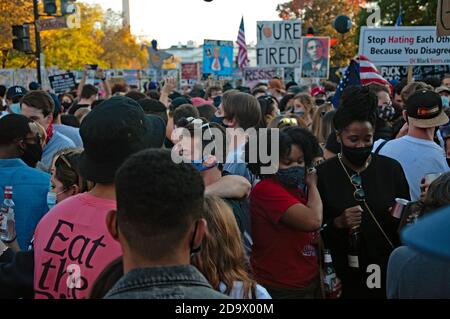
399,20
242,57
360,72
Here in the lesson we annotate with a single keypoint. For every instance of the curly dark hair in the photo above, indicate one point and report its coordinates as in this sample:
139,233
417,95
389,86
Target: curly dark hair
157,202
288,136
357,104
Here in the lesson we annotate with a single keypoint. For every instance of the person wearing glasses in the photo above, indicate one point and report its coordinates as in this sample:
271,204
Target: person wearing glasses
203,145
358,189
19,149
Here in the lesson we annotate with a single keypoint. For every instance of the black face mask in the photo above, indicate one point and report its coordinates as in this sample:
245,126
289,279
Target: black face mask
217,100
66,105
357,156
32,154
218,120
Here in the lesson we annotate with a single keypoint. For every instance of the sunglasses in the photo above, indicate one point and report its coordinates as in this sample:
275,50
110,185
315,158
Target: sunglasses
359,193
289,121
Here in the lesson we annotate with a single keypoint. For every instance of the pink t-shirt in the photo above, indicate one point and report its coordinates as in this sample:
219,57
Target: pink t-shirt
72,246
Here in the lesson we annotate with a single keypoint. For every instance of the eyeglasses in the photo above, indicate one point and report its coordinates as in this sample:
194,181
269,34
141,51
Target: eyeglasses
359,193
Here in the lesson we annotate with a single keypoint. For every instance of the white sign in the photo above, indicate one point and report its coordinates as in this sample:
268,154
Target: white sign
404,46
278,43
252,76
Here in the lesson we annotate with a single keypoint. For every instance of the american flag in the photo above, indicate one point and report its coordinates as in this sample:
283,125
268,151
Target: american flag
360,72
242,57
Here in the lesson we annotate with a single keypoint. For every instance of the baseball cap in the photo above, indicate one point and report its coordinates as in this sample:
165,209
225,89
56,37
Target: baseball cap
111,132
442,89
318,90
430,234
15,91
13,126
179,101
197,101
424,108
33,86
276,84
294,89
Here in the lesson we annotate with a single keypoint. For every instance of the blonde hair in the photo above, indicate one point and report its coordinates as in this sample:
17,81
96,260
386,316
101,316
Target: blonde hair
222,259
309,105
318,129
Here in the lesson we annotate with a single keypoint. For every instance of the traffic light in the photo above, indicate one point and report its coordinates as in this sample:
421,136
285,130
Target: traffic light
68,7
21,38
50,7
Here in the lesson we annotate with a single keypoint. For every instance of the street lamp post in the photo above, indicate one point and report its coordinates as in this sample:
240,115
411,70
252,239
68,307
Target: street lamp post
38,41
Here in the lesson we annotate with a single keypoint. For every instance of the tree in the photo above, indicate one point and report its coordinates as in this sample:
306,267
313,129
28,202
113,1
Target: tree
121,49
101,40
73,48
13,12
320,14
415,12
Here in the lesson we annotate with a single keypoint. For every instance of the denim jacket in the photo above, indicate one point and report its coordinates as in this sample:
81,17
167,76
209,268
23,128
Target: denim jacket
166,282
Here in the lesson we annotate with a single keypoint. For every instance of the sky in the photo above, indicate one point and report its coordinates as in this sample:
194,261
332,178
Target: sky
174,21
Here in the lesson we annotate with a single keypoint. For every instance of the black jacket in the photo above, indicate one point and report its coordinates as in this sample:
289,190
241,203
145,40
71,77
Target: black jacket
16,274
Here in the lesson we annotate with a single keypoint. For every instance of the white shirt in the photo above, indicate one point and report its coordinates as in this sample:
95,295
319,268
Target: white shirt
418,157
238,293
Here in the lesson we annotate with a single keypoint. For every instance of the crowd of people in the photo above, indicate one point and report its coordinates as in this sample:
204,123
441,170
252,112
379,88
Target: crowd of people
120,192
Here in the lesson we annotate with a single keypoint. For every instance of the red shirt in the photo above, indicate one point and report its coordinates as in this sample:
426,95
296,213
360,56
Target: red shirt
281,255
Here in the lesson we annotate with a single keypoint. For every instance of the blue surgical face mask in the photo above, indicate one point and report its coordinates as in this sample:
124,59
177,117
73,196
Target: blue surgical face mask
292,177
15,108
445,101
51,200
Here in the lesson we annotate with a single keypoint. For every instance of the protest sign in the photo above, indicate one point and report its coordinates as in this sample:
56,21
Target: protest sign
7,77
62,83
443,18
253,76
278,43
218,57
315,57
189,71
404,46
420,72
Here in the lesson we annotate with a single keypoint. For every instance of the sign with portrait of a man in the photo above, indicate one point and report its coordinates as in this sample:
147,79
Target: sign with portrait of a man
315,57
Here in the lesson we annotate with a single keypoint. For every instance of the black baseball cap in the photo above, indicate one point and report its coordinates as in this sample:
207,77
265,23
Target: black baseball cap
424,108
111,132
13,126
15,91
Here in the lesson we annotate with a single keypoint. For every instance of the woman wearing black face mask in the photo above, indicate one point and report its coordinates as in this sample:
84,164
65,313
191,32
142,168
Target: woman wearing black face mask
358,188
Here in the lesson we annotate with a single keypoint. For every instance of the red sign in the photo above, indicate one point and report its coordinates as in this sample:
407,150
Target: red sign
189,71
52,24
